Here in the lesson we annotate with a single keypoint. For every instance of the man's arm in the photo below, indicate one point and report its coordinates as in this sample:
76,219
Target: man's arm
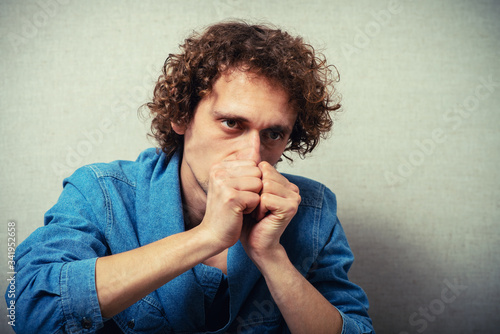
122,279
60,266
303,307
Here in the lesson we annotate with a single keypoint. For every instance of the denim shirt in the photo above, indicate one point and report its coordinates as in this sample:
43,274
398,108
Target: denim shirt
112,208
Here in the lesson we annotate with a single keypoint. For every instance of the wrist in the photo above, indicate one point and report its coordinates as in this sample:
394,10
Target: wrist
208,240
270,259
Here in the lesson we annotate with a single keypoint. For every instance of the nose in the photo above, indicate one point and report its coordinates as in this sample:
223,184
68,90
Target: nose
250,147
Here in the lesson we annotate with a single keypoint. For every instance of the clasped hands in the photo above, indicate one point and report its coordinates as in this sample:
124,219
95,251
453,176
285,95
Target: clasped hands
251,202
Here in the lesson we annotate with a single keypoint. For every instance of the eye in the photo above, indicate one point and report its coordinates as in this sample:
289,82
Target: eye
273,135
230,123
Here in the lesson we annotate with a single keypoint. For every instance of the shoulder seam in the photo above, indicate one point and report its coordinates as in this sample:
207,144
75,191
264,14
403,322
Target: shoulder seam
99,173
317,200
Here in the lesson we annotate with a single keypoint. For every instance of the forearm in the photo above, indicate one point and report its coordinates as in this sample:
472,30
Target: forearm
303,307
123,279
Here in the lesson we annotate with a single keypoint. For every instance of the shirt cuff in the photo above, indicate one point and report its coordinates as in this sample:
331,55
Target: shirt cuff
350,326
79,297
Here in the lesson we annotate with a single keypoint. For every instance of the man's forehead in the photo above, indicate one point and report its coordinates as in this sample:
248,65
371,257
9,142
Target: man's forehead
248,76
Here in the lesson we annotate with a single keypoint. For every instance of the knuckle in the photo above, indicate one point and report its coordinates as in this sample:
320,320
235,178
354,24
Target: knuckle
266,168
218,173
230,199
259,186
230,194
292,211
294,201
255,199
298,199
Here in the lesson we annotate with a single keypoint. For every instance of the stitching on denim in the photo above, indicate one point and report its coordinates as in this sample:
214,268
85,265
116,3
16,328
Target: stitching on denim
151,302
265,320
317,220
63,284
99,173
107,198
96,310
107,202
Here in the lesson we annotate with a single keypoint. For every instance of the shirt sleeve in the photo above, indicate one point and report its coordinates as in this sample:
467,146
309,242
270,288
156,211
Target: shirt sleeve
329,275
55,280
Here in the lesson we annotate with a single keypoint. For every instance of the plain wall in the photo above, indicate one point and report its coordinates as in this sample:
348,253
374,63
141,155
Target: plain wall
413,157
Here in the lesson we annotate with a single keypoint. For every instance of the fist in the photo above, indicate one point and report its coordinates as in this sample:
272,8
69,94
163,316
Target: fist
233,191
279,201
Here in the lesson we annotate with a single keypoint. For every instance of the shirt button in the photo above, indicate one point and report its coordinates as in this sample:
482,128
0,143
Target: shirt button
86,323
131,324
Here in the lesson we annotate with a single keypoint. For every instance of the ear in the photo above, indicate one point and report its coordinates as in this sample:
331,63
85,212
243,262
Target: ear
179,128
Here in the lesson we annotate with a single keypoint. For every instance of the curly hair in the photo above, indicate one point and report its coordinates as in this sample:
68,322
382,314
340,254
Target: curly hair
281,58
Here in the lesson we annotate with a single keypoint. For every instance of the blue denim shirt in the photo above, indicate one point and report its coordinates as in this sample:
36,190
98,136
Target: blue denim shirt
112,208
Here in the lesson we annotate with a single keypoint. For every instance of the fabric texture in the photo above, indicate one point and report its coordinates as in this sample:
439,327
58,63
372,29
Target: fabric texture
112,208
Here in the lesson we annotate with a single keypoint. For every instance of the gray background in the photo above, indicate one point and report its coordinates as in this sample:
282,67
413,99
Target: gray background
412,157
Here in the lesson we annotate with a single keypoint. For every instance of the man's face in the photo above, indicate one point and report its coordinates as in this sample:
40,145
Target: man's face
244,117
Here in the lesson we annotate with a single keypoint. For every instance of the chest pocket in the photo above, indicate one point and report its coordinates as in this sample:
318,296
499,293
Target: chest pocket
145,316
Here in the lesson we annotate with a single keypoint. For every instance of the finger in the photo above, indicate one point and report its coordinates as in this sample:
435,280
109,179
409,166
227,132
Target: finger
280,207
238,162
246,183
275,182
239,171
222,174
269,172
279,189
249,200
260,212
225,170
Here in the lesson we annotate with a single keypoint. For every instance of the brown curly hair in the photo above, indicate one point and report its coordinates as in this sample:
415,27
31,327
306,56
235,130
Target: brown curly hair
286,60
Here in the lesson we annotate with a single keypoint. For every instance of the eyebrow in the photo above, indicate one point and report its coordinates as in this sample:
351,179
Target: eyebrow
228,115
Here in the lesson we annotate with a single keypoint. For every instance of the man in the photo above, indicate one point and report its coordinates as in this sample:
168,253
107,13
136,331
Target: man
204,235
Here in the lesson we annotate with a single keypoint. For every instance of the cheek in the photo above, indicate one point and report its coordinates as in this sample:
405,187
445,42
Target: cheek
195,150
202,148
195,139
